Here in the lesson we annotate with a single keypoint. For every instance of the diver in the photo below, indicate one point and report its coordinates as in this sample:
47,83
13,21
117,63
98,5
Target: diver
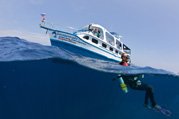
133,81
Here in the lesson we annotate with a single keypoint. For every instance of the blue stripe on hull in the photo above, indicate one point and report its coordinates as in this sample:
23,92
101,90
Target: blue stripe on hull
78,50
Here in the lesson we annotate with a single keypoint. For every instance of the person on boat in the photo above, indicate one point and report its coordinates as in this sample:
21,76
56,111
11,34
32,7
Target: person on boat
96,32
133,81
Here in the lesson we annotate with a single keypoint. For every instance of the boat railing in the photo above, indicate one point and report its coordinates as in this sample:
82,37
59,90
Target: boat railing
107,46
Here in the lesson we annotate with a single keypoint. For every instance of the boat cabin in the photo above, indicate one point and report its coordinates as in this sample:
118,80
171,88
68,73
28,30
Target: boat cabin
101,37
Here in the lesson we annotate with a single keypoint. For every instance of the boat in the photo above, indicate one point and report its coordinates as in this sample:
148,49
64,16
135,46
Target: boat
92,41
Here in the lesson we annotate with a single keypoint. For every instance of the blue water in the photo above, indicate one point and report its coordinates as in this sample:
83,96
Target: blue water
45,82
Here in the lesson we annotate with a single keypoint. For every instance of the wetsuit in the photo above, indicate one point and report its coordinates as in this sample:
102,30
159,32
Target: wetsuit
133,81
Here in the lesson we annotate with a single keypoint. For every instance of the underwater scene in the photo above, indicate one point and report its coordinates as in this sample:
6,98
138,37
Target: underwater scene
46,82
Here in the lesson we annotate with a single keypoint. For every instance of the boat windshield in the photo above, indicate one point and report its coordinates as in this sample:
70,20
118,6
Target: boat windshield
109,38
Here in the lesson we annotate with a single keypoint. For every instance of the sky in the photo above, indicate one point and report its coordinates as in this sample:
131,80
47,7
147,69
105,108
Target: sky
149,27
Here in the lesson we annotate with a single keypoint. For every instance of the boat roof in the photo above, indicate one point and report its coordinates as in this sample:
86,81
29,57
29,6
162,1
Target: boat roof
97,25
116,35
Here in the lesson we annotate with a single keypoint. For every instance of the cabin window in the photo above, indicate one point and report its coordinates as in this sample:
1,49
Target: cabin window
118,44
117,51
120,53
111,48
86,37
98,32
109,38
94,41
104,45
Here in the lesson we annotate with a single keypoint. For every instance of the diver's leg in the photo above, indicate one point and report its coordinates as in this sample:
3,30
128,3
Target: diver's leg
148,94
146,101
